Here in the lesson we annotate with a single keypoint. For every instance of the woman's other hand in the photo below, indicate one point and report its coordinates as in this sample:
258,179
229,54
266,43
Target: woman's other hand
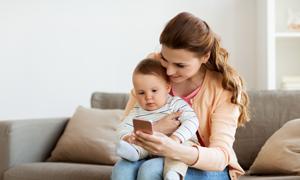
168,124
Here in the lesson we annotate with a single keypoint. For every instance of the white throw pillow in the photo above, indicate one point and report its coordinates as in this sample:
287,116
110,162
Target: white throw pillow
281,152
90,137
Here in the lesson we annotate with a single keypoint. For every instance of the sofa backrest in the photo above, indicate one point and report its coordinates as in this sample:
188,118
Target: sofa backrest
103,100
269,110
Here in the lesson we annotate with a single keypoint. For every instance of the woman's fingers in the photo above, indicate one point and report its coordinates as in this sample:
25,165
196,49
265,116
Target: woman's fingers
168,124
151,147
151,143
155,138
175,115
157,144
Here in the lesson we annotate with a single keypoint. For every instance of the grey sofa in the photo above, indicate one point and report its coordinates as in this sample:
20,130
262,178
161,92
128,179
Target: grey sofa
25,144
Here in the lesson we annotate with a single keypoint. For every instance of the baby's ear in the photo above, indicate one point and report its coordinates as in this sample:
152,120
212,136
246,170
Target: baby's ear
133,92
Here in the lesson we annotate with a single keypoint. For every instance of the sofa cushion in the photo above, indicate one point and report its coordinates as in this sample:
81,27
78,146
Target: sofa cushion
281,152
58,171
90,137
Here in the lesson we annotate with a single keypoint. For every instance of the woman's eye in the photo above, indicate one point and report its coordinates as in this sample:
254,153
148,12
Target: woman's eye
180,65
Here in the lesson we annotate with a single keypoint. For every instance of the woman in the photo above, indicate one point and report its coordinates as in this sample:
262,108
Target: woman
199,73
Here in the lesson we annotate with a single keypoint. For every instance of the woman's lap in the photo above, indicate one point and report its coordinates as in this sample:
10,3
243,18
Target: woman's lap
124,168
193,174
153,169
140,170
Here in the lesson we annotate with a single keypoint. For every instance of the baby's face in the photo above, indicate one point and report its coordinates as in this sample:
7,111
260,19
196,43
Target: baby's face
151,91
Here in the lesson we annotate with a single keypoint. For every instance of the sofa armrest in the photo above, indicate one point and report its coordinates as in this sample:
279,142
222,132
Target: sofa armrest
24,141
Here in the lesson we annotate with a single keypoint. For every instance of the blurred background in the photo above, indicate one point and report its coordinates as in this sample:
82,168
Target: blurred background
54,54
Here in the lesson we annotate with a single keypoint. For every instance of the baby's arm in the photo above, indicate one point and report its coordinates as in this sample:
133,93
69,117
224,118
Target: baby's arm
189,120
126,127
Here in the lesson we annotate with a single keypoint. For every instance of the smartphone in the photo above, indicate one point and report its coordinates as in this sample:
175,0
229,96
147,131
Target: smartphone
142,125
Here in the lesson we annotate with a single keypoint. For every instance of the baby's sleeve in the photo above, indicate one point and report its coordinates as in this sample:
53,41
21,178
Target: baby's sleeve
126,126
189,120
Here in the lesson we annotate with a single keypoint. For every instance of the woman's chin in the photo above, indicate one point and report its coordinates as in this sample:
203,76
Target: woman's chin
176,80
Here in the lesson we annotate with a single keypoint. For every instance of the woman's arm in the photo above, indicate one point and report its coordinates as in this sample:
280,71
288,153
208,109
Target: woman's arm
219,151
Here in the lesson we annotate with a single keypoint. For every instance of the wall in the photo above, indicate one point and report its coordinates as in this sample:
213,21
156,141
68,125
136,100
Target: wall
54,54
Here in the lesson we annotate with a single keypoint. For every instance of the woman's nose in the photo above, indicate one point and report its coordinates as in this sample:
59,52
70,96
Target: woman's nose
170,70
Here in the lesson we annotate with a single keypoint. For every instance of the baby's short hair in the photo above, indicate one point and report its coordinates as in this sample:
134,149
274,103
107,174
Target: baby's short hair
151,67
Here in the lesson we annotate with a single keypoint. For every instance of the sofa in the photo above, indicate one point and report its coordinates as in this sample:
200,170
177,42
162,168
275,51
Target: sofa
26,144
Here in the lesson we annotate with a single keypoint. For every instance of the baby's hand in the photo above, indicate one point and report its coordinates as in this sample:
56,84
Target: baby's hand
129,138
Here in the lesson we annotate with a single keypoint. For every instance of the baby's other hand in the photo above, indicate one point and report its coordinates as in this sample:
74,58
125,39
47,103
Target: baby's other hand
129,138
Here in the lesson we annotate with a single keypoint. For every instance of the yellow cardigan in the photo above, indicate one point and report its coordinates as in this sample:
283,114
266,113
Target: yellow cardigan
218,122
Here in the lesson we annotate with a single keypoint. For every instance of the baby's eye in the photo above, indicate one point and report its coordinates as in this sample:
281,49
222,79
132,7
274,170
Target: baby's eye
141,93
154,90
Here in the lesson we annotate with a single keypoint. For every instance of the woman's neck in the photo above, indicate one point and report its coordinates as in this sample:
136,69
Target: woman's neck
186,87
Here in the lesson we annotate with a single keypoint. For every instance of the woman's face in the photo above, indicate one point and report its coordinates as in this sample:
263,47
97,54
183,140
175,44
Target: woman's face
180,63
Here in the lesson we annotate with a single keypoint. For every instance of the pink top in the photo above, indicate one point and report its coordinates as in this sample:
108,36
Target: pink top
188,97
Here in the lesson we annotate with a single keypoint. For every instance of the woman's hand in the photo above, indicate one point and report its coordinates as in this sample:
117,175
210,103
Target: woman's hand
168,124
162,145
157,144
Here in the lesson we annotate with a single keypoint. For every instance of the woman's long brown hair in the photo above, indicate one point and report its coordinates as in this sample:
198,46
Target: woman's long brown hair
186,31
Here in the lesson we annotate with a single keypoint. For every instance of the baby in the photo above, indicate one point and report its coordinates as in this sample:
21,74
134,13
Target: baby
151,89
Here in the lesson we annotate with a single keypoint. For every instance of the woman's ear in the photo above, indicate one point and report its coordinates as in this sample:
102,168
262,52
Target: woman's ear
168,87
205,57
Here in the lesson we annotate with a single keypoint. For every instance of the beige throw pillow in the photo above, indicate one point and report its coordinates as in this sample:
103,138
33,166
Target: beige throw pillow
90,137
281,152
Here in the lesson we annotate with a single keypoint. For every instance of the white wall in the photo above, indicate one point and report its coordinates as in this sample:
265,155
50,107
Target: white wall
54,54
